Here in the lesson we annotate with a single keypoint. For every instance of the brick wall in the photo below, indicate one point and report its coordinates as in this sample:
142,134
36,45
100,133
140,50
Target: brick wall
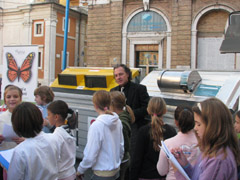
105,27
104,34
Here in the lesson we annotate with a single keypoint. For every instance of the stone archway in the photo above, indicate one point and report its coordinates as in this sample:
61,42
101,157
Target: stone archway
146,38
194,29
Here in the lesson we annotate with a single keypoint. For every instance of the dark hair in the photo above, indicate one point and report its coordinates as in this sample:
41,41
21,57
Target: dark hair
126,69
184,116
27,120
60,107
45,93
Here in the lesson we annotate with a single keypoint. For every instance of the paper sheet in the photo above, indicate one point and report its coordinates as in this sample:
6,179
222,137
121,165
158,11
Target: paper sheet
5,157
8,132
171,157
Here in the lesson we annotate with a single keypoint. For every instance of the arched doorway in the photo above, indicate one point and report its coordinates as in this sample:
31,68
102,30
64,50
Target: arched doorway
207,35
143,35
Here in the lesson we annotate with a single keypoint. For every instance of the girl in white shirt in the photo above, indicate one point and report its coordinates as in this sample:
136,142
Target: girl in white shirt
12,97
105,145
36,157
57,113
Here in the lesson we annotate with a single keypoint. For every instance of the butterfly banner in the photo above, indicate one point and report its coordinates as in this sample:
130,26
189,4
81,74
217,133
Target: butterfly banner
20,68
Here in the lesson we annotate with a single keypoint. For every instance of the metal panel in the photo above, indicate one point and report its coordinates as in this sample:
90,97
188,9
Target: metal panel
231,43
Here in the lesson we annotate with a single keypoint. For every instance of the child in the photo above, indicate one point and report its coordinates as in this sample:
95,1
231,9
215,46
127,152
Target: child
237,129
126,115
12,97
186,139
144,164
43,96
105,147
36,157
237,124
3,107
217,141
57,113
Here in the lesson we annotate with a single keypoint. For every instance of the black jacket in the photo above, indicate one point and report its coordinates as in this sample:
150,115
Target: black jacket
145,158
137,99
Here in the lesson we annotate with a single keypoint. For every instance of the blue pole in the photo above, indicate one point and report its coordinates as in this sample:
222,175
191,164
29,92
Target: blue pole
65,36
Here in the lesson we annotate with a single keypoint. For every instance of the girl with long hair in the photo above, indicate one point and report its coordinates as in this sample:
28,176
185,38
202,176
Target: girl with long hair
149,137
217,141
126,115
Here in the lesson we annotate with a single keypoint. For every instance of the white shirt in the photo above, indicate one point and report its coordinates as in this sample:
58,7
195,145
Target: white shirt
35,159
67,145
105,144
5,118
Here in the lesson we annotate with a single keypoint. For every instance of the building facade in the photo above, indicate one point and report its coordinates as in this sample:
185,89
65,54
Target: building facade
182,34
42,23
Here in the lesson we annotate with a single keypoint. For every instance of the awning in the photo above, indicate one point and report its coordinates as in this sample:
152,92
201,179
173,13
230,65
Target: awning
231,43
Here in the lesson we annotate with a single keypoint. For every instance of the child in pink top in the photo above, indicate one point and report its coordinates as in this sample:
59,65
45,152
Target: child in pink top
185,139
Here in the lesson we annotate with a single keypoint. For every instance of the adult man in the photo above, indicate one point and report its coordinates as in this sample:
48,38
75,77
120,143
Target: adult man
136,94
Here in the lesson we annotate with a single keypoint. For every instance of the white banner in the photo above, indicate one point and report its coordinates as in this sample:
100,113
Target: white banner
20,68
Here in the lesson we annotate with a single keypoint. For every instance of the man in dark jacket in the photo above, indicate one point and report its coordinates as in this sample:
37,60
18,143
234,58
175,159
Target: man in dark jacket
136,97
136,94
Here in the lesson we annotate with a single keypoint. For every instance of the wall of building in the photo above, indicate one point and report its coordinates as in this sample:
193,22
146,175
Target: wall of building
70,42
17,28
104,34
181,16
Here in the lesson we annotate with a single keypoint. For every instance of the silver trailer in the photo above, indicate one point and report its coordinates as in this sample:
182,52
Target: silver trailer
191,86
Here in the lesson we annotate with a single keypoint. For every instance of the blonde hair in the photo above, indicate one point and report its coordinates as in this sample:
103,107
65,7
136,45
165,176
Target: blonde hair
10,88
118,101
156,108
102,100
219,132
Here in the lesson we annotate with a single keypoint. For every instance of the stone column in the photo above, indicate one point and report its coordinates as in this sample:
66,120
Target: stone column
124,48
193,49
27,28
50,50
132,55
169,39
160,54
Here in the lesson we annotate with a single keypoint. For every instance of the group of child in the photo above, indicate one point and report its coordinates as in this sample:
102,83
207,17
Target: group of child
38,155
206,145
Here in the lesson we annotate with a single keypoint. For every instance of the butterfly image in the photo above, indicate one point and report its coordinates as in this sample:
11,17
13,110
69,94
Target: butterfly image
15,72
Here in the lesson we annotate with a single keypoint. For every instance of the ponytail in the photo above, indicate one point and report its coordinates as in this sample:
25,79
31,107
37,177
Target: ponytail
71,120
156,108
130,111
157,131
60,107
